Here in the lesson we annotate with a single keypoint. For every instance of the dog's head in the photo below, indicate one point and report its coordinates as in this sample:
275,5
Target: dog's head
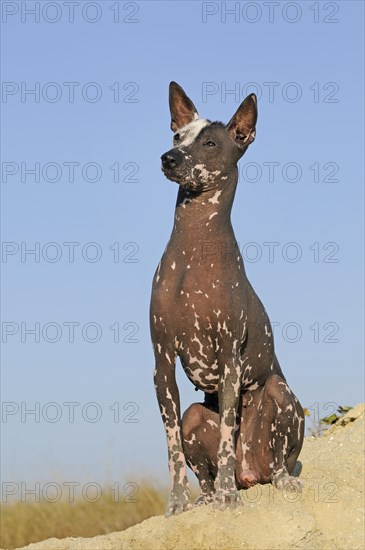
204,153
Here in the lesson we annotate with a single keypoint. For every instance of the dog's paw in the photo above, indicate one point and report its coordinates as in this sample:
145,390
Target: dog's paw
288,483
227,499
177,508
178,503
203,500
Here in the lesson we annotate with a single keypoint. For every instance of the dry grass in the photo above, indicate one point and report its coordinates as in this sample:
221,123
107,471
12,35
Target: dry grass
23,523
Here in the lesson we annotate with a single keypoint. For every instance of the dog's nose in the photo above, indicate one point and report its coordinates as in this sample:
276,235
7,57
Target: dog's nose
168,161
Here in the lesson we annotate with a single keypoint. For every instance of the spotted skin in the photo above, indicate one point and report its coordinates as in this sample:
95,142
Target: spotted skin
204,311
268,438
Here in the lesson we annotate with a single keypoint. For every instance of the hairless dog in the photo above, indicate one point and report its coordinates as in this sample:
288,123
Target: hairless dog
250,427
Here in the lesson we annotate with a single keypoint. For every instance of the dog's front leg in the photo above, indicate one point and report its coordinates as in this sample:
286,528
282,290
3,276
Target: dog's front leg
228,394
169,403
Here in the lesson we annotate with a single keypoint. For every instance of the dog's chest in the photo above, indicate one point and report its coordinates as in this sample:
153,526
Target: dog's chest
192,283
199,305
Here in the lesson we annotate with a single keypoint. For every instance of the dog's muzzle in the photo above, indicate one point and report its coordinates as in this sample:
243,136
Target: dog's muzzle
170,161
173,166
176,169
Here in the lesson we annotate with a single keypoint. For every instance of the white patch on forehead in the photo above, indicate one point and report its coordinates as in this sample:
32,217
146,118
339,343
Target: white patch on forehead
189,132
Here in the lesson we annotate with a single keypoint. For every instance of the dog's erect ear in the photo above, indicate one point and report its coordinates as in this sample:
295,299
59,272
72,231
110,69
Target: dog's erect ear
242,126
182,109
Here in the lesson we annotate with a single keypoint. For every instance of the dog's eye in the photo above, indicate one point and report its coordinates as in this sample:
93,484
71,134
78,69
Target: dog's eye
177,137
210,143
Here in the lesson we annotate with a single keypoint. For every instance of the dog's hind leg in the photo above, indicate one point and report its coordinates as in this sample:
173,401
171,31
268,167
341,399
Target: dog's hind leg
271,435
200,426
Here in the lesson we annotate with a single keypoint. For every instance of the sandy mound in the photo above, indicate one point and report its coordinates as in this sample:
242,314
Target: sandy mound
329,513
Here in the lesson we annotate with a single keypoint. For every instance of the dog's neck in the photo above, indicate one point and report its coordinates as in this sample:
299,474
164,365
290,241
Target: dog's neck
206,215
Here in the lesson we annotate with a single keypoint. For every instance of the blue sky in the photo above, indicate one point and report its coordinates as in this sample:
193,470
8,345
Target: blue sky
93,132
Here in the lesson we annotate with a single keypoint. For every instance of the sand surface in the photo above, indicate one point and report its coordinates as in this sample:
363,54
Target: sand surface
328,514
